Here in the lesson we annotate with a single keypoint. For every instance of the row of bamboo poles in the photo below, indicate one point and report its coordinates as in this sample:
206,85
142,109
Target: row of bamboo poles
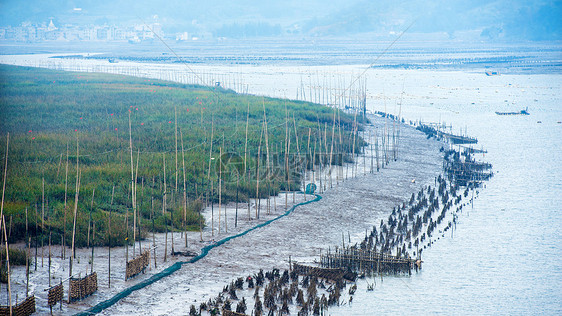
344,91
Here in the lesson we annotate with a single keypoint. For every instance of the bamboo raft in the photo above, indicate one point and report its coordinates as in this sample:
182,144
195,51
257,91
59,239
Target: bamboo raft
137,265
83,287
335,274
359,260
25,308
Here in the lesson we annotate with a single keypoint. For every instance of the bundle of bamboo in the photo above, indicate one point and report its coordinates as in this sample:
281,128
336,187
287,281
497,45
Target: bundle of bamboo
82,287
24,308
137,265
55,295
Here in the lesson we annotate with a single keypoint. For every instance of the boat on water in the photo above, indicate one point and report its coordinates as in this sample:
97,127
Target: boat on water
522,112
492,73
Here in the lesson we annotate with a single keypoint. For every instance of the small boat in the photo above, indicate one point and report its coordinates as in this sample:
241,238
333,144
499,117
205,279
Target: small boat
522,112
492,73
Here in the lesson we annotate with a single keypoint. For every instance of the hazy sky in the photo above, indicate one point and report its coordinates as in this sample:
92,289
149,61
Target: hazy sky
509,19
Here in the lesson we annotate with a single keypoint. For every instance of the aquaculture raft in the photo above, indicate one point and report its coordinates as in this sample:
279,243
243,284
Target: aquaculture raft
81,288
354,259
24,308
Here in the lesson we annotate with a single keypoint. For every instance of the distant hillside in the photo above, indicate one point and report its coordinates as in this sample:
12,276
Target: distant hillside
497,19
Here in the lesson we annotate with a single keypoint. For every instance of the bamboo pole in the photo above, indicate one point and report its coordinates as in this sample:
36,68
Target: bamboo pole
3,222
332,146
93,239
42,220
377,148
220,182
77,192
27,255
236,215
132,194
364,157
298,147
307,161
267,166
287,169
326,152
109,237
36,230
340,148
246,143
371,149
184,189
176,134
286,153
353,144
65,198
220,186
135,211
90,217
164,208
209,176
153,229
258,174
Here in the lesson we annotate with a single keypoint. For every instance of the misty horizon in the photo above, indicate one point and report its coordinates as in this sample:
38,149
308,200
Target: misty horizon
477,20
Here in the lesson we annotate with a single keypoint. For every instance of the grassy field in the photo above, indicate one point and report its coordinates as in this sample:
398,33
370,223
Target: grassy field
49,114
